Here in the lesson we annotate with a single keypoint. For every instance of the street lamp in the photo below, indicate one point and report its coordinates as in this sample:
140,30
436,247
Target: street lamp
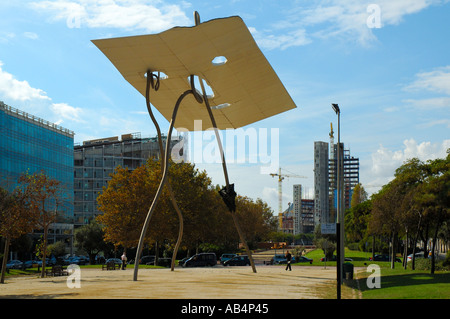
339,217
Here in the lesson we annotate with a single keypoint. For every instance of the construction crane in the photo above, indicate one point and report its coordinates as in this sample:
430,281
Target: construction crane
280,191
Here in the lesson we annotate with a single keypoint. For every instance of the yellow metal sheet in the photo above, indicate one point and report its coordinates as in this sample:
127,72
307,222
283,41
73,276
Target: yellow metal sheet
246,81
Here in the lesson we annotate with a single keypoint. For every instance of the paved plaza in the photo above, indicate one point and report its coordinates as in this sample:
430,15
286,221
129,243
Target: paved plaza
270,282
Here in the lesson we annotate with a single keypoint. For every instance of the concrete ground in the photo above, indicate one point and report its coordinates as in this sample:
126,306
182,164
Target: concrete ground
218,282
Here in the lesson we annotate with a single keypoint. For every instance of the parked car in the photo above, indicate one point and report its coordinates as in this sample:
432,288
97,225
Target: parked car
238,261
31,264
182,261
14,264
383,258
418,255
303,259
278,259
203,259
226,257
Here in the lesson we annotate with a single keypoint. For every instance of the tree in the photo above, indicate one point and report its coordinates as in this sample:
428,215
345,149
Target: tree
90,239
356,220
437,194
125,203
43,199
15,220
385,218
359,195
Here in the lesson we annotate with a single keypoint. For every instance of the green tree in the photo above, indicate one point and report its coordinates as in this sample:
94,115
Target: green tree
359,195
89,238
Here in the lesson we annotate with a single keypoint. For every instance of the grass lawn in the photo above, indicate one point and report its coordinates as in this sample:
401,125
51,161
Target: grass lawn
395,283
399,283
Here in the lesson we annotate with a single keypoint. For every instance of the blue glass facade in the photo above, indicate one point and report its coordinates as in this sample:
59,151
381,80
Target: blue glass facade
28,143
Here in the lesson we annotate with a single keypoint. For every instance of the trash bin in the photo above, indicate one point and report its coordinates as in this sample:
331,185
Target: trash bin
348,270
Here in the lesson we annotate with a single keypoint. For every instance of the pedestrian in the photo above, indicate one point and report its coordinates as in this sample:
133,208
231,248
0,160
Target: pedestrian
124,261
288,258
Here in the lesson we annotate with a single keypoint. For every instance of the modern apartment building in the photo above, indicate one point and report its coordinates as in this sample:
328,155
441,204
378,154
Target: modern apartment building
95,161
325,180
350,171
31,144
321,183
303,212
297,197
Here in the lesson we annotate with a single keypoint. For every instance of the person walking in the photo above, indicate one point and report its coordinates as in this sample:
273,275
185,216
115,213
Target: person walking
124,261
288,258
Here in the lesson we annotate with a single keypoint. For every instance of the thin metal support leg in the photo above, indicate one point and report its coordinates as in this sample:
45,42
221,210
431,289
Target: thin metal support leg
163,180
155,86
225,172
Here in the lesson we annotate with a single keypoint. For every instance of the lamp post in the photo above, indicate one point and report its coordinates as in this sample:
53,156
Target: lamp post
339,217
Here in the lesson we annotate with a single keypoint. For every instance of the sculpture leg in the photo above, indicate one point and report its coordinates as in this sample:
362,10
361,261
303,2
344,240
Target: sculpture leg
162,183
150,83
225,171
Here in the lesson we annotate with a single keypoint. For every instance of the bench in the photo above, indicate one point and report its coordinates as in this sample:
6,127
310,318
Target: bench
56,270
109,266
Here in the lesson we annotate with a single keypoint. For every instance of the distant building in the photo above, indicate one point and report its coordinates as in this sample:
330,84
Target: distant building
303,212
31,144
286,220
325,180
297,196
95,161
321,183
307,216
350,167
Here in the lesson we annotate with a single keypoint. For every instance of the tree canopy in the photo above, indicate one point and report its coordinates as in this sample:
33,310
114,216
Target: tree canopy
126,200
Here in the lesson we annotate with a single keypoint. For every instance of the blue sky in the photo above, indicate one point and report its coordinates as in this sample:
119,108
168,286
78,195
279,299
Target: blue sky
386,63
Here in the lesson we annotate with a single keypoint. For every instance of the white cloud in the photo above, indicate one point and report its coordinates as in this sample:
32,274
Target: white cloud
65,111
18,90
31,35
386,161
432,103
345,20
270,41
126,14
437,80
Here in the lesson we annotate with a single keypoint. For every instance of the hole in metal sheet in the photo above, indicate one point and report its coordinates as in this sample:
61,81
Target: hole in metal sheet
219,60
208,89
220,106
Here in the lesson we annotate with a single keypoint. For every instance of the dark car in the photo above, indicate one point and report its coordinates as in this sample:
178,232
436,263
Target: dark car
182,261
278,259
383,258
203,259
14,264
303,259
226,257
237,261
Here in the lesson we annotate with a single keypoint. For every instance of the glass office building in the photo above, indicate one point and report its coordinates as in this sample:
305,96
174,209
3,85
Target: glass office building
29,143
